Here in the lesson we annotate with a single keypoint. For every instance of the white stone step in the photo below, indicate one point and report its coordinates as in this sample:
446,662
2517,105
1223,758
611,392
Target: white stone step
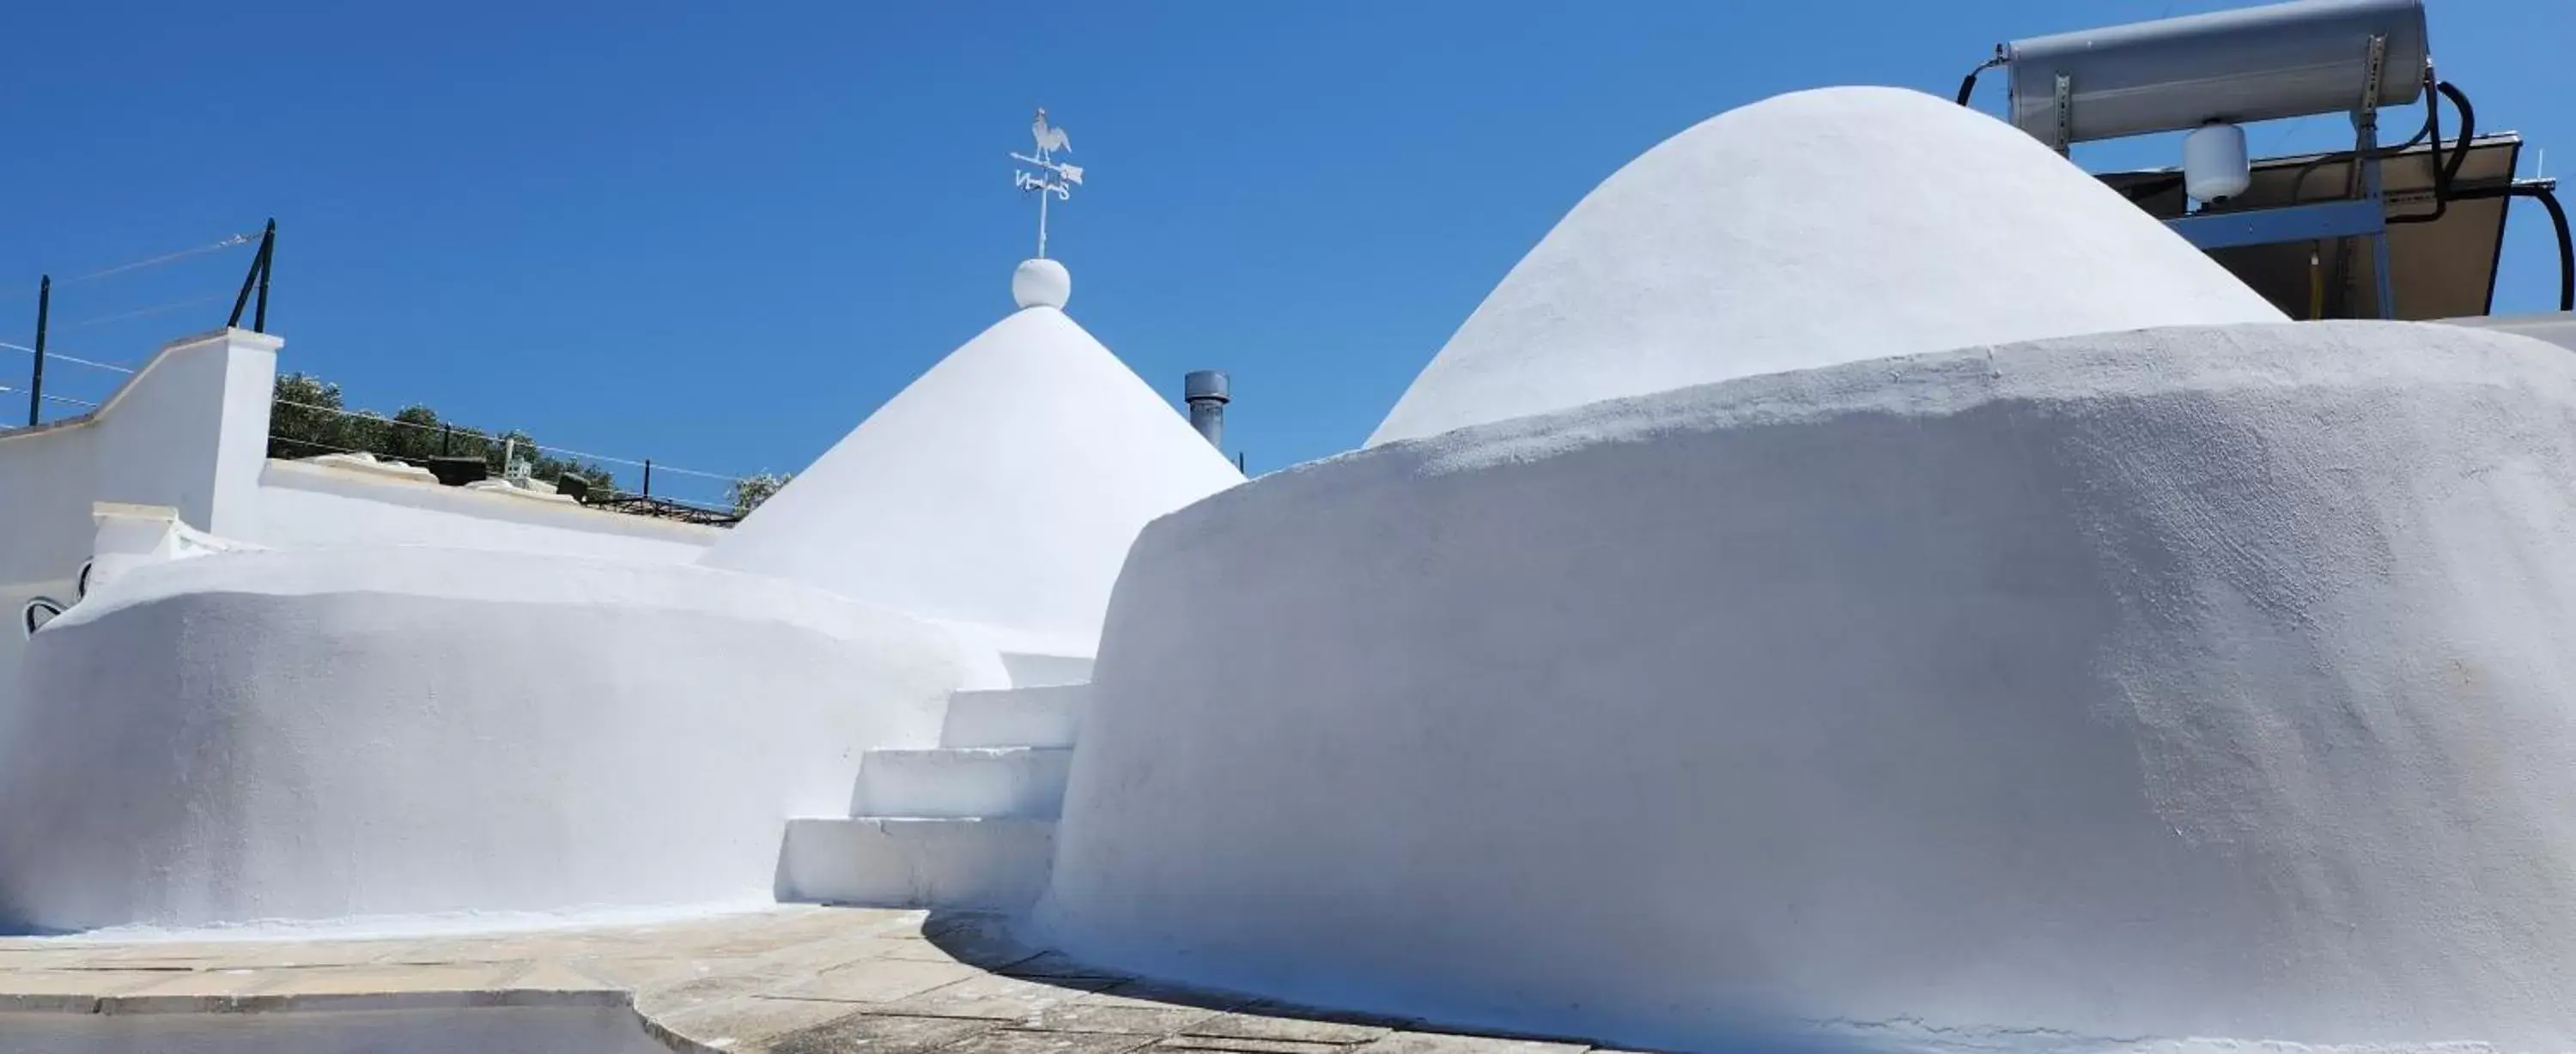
1016,717
997,864
1028,669
1022,782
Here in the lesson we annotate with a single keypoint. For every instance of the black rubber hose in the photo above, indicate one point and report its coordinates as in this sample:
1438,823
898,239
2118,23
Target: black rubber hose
2548,198
2566,249
2445,172
1968,84
2441,173
2468,130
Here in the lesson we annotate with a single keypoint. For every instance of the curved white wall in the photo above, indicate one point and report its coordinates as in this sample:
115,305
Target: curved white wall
1000,489
1805,230
328,733
2182,683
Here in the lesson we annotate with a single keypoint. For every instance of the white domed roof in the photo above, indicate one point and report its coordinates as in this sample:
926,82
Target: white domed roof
1805,230
1002,488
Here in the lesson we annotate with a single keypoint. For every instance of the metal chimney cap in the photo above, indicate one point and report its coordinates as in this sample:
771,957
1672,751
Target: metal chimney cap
1204,384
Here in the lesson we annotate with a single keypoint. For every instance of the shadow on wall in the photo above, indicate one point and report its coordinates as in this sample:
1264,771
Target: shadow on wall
990,942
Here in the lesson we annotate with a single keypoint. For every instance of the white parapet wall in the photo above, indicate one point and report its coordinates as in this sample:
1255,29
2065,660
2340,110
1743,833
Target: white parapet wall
2202,682
305,504
189,432
396,730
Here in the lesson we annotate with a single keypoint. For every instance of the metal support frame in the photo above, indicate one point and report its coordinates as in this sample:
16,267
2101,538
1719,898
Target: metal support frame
2364,182
2065,114
2361,214
2295,223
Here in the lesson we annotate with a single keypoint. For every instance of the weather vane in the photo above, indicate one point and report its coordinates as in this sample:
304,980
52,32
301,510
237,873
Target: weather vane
1054,179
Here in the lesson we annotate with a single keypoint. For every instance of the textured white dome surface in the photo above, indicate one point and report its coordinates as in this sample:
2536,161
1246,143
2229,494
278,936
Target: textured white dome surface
1805,230
2085,695
1002,488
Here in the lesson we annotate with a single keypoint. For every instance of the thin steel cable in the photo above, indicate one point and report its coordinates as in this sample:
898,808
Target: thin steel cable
55,356
658,467
49,397
229,242
613,492
143,311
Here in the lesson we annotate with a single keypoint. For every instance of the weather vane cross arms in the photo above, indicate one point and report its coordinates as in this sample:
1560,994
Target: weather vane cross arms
1053,178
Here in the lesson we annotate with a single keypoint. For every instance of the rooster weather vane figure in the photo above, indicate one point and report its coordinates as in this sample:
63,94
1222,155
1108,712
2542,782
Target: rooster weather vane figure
1054,179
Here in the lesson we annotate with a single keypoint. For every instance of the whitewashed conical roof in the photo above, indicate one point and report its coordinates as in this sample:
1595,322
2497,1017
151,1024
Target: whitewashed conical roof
1000,489
1810,229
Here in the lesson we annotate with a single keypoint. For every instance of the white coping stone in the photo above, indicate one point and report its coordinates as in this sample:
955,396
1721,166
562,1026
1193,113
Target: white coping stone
1016,717
2085,694
1026,782
1805,230
981,863
365,463
1001,488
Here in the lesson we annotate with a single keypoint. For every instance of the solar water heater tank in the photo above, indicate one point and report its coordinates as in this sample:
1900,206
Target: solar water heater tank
2250,64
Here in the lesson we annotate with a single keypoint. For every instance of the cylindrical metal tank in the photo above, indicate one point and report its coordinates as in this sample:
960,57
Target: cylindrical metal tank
2253,64
1205,391
2214,165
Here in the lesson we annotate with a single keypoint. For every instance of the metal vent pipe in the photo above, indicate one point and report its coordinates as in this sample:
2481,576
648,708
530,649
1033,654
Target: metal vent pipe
1205,391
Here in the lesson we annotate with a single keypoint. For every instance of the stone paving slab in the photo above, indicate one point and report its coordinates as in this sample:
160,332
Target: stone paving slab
798,979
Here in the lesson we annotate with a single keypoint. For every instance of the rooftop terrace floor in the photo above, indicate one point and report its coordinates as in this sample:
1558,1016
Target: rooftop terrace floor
801,979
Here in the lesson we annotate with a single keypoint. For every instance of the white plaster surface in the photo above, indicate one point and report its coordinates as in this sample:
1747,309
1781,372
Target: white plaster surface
1000,489
314,734
188,431
174,434
1016,717
959,782
992,863
2092,693
1805,230
307,505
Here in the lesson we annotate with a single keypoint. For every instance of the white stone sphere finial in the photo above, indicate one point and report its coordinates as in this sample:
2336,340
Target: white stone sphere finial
1041,282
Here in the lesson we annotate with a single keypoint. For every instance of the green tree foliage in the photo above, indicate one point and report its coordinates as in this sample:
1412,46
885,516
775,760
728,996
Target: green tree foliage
309,418
748,492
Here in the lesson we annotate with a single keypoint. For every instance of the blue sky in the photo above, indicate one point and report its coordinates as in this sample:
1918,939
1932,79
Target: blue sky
719,234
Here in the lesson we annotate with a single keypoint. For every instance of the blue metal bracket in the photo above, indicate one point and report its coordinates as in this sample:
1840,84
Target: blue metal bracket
2289,223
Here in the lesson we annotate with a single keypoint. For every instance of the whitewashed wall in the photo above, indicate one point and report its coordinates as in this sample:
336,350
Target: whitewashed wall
307,505
353,731
190,431
2179,683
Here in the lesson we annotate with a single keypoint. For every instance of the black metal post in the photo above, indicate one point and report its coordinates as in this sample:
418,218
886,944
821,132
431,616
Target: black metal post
257,278
36,383
446,440
267,263
1238,461
648,477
